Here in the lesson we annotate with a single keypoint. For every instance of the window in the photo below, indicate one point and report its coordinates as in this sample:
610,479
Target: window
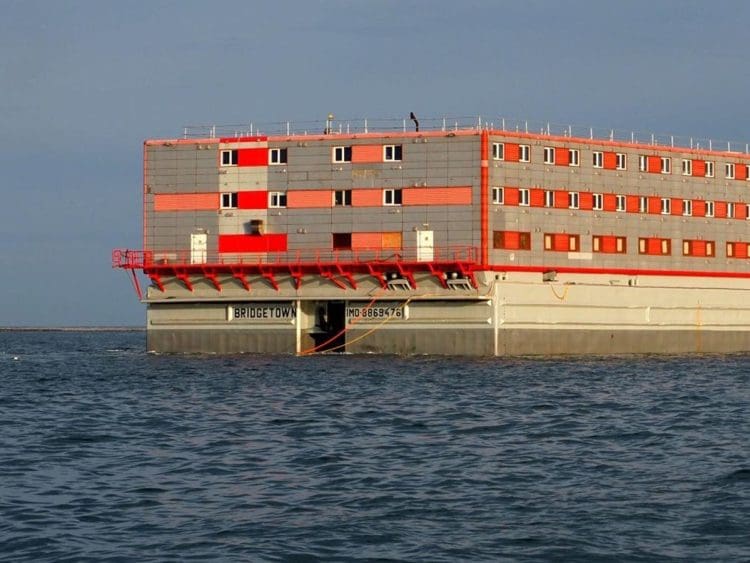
342,241
709,169
229,157
730,210
655,246
643,163
277,156
687,167
392,197
687,207
549,198
342,154
573,200
620,203
549,155
561,242
498,151
511,240
229,200
523,196
342,198
498,195
609,244
598,159
729,170
276,199
574,157
392,153
747,171
643,204
737,250
709,209
747,211
701,248
524,153
666,165
622,161
666,206
598,202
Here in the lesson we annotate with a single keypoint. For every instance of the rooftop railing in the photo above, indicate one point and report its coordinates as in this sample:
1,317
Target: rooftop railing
478,123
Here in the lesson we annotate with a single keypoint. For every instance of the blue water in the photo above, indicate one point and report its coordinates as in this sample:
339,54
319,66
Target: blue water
111,454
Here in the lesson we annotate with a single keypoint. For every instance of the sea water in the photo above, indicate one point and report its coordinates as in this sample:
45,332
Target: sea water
108,453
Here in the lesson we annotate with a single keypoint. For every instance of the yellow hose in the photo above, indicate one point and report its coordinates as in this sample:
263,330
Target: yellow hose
560,297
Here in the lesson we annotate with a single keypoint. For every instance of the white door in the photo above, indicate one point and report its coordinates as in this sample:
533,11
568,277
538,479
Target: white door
425,246
198,248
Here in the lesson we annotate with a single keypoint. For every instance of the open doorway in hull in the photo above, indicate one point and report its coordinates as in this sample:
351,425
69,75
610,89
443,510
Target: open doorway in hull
330,320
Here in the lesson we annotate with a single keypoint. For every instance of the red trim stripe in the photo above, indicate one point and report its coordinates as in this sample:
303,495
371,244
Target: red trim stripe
618,271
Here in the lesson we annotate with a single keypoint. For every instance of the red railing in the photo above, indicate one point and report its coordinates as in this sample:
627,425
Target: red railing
149,259
446,264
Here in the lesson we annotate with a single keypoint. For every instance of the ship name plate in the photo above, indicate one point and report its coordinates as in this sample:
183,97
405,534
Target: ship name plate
262,312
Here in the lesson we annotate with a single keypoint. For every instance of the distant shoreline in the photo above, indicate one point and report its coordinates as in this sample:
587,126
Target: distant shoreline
71,329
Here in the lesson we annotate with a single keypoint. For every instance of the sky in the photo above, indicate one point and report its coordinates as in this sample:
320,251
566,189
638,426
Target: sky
84,83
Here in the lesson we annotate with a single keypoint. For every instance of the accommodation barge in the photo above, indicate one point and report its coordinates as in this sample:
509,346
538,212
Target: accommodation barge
446,239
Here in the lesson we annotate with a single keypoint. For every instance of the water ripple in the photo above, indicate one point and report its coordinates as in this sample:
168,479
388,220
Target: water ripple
111,454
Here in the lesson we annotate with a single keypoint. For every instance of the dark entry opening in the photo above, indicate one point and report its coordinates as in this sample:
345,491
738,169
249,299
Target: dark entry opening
330,320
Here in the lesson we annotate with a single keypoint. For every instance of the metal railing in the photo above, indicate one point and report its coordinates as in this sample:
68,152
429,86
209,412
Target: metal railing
140,259
386,125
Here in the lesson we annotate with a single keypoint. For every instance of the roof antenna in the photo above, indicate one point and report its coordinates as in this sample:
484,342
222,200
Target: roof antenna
414,119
